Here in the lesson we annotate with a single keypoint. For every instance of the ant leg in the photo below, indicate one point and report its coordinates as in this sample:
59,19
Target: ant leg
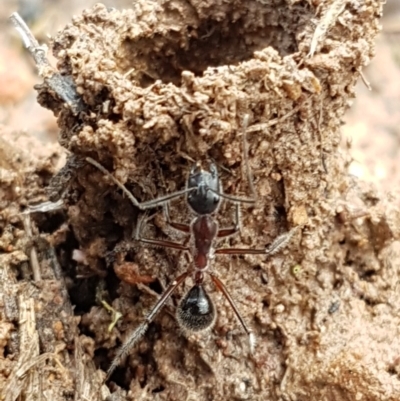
178,226
227,232
140,205
157,242
277,244
219,284
138,333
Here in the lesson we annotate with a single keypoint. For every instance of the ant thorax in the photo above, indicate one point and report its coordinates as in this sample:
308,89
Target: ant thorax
204,230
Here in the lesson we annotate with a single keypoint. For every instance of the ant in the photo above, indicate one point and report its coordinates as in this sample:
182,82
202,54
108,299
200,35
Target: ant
196,311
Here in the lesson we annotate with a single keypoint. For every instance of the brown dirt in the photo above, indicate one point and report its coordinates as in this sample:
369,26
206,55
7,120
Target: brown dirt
164,84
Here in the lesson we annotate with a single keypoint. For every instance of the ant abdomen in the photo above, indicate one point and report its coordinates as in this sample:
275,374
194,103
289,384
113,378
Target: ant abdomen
196,311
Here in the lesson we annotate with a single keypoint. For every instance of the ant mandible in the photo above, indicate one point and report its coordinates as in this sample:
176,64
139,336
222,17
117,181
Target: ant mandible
196,311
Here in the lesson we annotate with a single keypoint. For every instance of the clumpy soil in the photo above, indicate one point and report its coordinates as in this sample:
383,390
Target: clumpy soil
163,85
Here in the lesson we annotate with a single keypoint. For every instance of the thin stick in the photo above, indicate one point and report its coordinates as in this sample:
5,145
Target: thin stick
246,158
242,199
63,86
33,256
275,121
37,52
365,81
44,207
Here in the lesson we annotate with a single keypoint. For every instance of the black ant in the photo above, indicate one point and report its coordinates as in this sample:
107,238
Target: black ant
196,311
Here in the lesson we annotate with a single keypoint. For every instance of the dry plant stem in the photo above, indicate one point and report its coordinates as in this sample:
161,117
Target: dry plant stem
36,318
33,254
365,80
29,350
249,174
45,207
61,85
275,121
327,20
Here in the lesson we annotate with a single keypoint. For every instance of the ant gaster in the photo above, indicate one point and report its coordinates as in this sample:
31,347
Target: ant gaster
196,311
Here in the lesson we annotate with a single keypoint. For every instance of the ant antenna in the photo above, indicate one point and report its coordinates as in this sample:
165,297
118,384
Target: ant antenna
140,205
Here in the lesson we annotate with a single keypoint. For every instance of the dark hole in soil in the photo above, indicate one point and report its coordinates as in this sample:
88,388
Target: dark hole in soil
112,283
159,389
278,338
119,376
337,284
211,44
83,294
156,286
280,213
101,358
265,303
49,223
367,274
368,300
106,101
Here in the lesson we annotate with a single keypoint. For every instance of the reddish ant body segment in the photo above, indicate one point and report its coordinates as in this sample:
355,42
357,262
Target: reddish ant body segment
196,311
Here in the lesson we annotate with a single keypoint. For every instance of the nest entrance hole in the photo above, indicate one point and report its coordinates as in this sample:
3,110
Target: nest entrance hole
163,56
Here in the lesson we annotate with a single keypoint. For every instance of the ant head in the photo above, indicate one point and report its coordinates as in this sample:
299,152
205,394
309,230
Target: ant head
204,198
196,311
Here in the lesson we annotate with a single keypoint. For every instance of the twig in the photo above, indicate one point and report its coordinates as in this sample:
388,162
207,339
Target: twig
45,207
278,120
326,22
29,350
63,86
366,83
33,256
